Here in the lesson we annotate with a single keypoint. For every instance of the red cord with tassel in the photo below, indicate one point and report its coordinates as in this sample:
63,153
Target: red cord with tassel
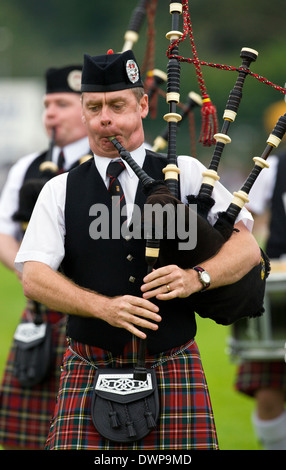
209,122
208,110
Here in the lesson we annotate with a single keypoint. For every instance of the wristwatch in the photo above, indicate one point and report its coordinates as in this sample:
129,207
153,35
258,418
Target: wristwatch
204,277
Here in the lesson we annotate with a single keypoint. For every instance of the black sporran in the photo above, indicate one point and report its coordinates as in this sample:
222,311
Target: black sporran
33,352
124,409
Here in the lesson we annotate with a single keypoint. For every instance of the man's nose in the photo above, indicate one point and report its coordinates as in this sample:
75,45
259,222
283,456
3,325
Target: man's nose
50,110
105,117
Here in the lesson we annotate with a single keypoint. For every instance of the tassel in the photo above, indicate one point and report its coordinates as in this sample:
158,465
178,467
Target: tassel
114,420
150,420
31,372
209,122
130,429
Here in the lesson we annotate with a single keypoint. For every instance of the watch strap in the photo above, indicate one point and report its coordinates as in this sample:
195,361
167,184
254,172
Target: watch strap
200,270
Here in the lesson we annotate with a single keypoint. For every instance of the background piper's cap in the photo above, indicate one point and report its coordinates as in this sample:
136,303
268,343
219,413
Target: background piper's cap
64,79
110,72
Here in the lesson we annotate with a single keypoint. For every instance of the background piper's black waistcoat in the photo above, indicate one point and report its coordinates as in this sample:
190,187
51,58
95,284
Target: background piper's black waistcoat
34,171
276,245
113,267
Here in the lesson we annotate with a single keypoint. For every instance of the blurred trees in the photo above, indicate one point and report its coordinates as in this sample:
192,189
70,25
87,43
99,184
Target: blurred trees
56,32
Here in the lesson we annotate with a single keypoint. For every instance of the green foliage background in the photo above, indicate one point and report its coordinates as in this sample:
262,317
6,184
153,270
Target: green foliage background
48,33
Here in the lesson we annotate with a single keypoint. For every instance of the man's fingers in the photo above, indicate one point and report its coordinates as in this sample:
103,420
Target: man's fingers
133,313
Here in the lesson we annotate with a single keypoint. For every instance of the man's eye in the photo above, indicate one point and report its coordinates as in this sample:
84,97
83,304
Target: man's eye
117,107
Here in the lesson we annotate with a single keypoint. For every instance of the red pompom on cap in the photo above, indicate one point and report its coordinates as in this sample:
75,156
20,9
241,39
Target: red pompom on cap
110,51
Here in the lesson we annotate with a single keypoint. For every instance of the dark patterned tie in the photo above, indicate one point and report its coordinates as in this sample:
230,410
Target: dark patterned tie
115,189
61,161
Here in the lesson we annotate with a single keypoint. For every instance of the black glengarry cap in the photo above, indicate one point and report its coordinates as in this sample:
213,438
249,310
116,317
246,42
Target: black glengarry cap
110,72
64,79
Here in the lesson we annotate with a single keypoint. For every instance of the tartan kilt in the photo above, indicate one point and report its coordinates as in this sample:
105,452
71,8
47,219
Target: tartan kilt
25,413
186,419
255,375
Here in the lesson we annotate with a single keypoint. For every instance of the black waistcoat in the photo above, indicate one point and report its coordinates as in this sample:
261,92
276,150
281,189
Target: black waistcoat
34,171
276,245
113,267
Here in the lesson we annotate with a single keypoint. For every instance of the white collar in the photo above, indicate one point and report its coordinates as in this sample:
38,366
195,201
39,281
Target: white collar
72,152
102,163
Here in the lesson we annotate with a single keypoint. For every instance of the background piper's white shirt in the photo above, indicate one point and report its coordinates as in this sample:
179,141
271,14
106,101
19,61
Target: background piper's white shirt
9,200
261,192
45,235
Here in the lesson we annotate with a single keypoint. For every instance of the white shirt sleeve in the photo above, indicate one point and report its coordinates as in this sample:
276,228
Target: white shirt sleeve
45,236
190,183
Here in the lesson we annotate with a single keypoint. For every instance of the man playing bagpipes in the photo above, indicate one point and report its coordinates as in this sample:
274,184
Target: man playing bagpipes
110,301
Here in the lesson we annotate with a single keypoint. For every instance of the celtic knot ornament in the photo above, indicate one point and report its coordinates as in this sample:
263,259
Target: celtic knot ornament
27,332
122,384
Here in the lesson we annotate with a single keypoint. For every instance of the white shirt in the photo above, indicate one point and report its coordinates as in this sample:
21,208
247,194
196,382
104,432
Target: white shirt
45,235
9,200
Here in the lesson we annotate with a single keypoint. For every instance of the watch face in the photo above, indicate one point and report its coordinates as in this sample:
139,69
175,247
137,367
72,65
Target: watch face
205,277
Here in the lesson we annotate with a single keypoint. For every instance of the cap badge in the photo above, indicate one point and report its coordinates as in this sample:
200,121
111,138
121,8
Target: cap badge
74,80
132,71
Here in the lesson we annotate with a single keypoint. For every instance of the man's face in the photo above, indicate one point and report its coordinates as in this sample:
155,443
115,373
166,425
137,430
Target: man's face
63,113
117,114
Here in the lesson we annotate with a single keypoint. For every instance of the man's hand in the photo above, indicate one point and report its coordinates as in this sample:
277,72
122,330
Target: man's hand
59,293
170,282
130,312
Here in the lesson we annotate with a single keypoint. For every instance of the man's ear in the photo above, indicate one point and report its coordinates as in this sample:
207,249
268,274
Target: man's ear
144,106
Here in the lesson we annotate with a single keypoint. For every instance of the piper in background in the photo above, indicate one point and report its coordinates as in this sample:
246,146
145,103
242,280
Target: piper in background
265,380
26,410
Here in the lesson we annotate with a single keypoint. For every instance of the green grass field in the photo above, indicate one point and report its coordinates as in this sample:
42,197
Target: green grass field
232,410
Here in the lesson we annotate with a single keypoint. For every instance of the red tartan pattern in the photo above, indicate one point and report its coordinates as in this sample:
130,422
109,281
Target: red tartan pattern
186,418
252,376
25,413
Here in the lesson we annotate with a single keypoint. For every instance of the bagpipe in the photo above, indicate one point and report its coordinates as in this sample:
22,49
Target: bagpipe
243,298
131,35
227,303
